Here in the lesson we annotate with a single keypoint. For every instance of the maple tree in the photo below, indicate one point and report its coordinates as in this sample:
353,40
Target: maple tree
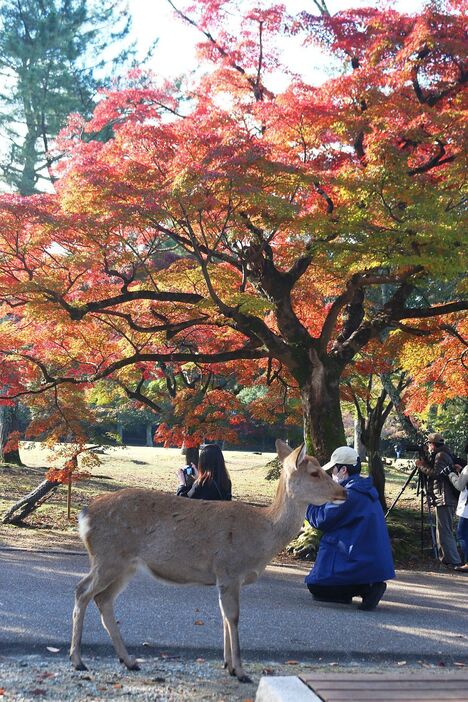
245,231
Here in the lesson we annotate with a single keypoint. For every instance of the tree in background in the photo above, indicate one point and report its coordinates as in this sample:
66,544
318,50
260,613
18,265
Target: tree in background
53,57
283,213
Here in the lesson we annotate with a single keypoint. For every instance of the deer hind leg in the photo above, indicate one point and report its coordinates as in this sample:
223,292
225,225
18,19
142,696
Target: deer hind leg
99,580
83,595
105,603
229,605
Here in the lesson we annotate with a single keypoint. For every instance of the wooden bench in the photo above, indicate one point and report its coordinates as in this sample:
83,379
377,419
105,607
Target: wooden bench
389,687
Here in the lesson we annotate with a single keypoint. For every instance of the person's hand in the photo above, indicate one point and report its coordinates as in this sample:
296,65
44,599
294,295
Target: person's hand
458,468
181,475
419,463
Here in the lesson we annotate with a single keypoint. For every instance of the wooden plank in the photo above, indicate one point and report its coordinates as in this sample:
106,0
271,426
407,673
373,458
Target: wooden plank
359,696
459,675
389,687
382,685
389,695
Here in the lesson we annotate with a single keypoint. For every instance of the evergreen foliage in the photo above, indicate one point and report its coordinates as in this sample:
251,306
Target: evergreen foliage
52,55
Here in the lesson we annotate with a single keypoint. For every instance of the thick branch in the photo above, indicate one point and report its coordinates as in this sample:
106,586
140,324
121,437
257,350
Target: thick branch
425,312
246,352
78,312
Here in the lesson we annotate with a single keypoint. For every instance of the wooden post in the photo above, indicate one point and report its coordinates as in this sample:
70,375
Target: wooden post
69,492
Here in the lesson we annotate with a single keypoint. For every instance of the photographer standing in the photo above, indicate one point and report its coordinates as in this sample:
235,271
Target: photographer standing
443,497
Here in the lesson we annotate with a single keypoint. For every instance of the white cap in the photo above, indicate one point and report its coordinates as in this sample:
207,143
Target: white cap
344,455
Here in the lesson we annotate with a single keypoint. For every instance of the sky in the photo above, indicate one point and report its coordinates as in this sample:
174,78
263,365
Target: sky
175,52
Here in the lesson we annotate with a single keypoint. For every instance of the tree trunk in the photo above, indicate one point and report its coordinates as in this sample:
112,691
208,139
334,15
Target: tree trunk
8,424
27,185
149,435
28,504
376,470
371,437
323,421
358,443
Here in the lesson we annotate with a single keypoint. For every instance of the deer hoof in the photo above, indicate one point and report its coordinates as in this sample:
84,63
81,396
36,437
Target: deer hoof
244,678
132,664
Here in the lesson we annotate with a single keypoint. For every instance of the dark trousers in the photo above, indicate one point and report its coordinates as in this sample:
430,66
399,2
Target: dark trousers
338,593
462,535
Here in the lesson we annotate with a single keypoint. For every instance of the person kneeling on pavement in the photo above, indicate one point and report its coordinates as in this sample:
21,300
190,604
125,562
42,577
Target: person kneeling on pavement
355,556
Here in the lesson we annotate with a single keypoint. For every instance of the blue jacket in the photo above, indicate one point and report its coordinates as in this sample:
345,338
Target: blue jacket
355,547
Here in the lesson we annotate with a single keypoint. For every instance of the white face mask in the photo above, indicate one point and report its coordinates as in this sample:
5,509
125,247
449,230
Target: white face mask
338,475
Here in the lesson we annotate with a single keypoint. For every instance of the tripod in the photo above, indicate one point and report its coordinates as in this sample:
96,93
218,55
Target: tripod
422,493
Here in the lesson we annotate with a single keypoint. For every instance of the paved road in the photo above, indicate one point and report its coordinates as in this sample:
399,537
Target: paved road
423,616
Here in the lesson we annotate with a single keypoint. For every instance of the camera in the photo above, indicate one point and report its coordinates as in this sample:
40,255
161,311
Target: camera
420,449
189,475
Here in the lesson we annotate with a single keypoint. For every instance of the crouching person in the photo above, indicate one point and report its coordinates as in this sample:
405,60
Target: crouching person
355,556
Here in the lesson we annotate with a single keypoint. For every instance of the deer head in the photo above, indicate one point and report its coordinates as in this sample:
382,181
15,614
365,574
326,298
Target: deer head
304,480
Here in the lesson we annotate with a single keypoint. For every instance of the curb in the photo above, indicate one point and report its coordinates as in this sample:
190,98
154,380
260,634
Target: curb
53,551
284,689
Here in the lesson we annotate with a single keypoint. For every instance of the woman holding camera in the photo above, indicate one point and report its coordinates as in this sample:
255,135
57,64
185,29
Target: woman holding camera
212,480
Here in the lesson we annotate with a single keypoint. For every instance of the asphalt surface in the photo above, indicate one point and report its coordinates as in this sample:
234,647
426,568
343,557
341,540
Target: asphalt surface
422,617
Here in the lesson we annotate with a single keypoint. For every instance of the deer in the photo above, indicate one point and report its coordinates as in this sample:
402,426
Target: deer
179,540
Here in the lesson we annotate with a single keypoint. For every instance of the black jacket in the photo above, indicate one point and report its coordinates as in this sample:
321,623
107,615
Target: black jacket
439,487
208,490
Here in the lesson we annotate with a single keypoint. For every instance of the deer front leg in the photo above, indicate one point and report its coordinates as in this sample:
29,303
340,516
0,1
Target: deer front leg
84,593
229,605
227,644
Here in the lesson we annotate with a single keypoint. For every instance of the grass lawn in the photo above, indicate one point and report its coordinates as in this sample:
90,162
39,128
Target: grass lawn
140,466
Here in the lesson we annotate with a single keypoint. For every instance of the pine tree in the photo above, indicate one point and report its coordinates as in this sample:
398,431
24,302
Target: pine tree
52,55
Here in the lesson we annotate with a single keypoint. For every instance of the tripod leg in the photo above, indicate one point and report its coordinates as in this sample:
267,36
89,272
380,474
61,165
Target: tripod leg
422,519
435,547
401,492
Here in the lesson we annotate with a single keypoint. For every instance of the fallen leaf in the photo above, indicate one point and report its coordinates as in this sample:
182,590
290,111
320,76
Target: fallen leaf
52,649
38,691
460,665
2,691
117,685
199,622
268,671
199,660
291,662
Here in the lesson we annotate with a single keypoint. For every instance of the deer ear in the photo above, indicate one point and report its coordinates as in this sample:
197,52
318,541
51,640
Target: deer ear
282,449
301,455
